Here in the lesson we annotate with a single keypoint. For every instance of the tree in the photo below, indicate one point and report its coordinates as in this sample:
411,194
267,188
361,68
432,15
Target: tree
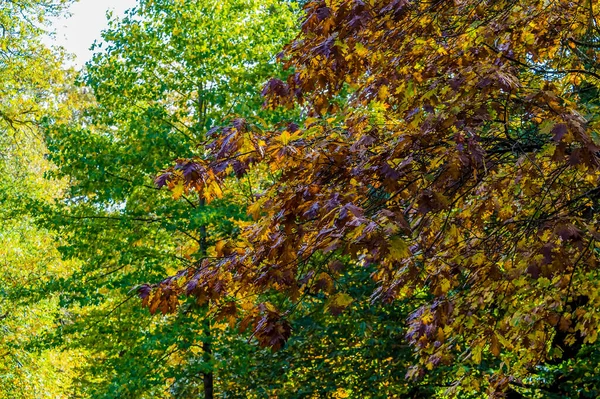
168,72
27,92
359,352
450,145
32,82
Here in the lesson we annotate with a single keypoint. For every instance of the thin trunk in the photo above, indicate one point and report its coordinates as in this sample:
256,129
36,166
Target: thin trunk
208,376
208,379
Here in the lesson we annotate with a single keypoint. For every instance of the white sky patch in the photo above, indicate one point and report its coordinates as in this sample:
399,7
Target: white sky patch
79,31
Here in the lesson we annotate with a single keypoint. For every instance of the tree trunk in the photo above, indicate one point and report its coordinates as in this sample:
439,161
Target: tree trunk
208,376
208,379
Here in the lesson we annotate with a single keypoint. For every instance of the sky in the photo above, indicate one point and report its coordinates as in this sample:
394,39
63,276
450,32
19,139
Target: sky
79,31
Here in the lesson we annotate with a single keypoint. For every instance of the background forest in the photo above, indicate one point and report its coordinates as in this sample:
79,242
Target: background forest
302,199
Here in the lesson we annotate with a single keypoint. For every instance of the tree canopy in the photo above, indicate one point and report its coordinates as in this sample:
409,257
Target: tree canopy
453,145
32,80
316,199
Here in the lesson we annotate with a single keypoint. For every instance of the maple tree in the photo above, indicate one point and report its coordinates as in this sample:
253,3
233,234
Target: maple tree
454,145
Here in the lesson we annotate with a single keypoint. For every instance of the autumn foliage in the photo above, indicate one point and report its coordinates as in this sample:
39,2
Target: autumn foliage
455,146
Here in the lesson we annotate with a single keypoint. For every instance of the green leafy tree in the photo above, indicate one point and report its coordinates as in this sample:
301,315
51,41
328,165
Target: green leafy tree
31,86
167,73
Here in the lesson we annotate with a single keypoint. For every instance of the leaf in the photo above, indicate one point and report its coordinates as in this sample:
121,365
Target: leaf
342,299
559,131
178,190
254,209
398,249
476,352
338,303
495,345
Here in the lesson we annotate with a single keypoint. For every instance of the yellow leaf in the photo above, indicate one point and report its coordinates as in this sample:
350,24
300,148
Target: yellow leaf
216,189
476,352
254,210
592,337
178,190
342,300
360,49
427,318
383,93
445,286
285,137
399,249
479,259
219,246
495,346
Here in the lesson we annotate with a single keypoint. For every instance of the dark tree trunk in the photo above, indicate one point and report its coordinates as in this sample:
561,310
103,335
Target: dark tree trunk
208,376
209,383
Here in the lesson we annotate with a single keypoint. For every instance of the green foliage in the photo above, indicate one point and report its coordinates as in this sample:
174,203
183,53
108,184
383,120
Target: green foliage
32,80
373,243
359,353
169,72
32,74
